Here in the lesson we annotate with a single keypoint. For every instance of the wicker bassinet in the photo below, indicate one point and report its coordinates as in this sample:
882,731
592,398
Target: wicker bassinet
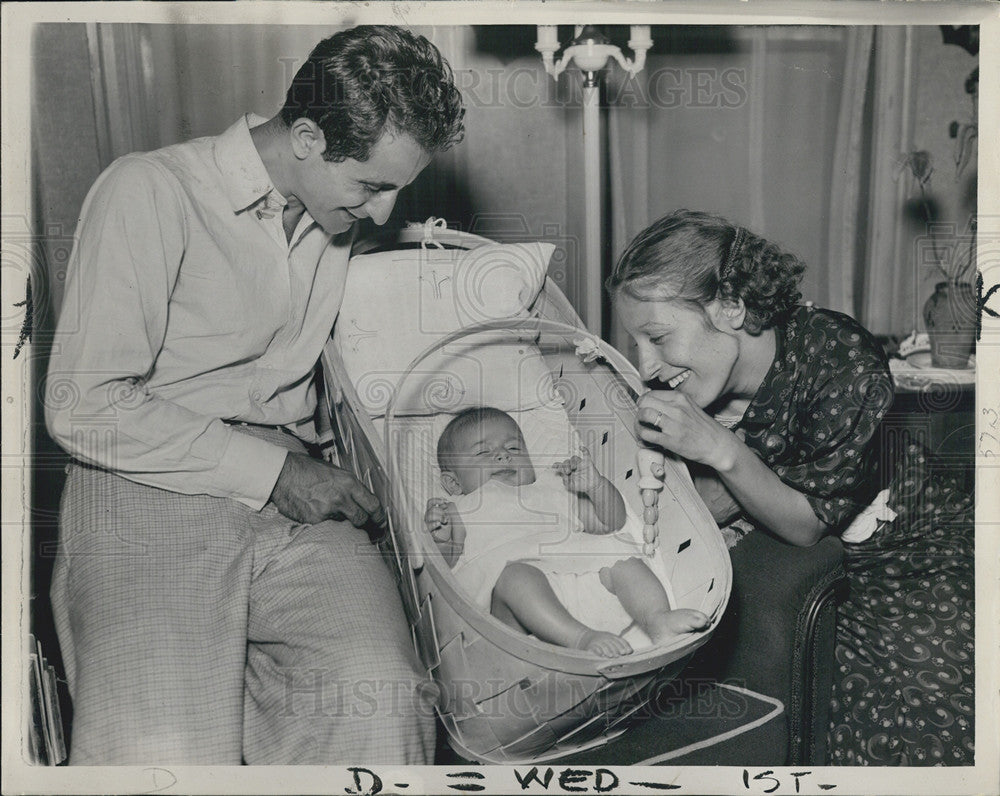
505,697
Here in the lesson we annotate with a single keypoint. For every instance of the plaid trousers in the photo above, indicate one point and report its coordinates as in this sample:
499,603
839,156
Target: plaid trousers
196,631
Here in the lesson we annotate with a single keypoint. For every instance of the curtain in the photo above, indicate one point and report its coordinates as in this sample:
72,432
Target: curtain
156,85
121,74
846,241
794,131
766,126
515,177
888,287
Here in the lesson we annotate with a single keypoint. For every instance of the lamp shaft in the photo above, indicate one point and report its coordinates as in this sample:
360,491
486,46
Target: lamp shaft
590,51
592,287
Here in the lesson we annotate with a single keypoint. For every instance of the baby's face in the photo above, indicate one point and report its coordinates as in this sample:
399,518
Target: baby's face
492,450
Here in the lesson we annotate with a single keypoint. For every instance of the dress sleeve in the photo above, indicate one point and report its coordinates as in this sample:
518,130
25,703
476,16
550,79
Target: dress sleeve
836,466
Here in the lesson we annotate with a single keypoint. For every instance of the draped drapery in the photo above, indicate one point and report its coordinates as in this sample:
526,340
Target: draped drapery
845,243
795,131
156,85
888,282
767,126
513,178
124,95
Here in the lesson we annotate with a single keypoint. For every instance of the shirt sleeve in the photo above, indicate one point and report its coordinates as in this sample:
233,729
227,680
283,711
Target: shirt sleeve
112,324
837,466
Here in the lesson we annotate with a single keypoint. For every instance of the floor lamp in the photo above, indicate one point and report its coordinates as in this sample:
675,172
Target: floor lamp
590,51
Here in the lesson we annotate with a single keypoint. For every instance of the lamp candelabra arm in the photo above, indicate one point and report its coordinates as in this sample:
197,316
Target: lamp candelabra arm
591,56
639,43
623,62
552,67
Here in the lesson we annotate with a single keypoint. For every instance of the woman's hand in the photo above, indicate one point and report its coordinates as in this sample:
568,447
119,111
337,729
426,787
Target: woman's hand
669,420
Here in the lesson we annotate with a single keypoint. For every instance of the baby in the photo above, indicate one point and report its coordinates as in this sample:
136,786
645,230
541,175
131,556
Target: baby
511,538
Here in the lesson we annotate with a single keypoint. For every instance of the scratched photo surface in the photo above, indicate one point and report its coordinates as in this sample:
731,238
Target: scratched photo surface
842,161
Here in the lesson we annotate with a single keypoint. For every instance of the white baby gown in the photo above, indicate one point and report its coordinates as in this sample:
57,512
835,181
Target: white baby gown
538,523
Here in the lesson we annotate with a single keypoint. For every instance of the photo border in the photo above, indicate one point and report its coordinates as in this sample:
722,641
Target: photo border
17,20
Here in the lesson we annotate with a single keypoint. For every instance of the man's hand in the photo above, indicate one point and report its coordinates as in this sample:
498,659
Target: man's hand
310,491
446,528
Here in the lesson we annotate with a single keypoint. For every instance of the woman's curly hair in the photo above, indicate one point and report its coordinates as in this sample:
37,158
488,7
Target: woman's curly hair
360,82
698,257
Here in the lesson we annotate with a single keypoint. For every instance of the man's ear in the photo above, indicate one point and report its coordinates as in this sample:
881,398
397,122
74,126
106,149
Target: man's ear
306,137
449,482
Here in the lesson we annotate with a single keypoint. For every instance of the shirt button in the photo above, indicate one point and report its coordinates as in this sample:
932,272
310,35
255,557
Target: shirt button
256,395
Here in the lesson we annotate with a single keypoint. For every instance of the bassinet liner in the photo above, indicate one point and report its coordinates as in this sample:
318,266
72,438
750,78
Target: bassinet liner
504,697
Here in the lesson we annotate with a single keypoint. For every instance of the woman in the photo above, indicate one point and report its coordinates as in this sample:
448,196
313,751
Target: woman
776,407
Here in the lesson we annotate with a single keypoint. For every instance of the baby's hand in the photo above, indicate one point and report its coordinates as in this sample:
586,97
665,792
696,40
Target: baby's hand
446,528
438,518
578,473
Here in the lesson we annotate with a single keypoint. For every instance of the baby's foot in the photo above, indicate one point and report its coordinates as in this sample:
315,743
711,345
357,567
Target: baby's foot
607,645
673,623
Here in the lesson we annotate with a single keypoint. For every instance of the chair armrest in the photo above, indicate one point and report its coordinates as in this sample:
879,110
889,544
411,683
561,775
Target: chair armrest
813,665
778,634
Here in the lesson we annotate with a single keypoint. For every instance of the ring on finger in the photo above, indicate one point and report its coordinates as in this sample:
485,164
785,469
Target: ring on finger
659,419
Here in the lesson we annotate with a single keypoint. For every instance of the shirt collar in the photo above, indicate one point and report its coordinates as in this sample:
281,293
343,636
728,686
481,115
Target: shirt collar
246,177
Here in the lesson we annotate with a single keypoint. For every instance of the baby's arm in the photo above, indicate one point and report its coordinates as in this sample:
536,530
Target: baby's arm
601,507
446,527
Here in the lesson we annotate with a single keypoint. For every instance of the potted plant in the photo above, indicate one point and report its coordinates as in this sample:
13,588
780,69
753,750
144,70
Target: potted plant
950,312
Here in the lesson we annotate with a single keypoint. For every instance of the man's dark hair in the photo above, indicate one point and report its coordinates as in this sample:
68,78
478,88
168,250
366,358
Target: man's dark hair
361,82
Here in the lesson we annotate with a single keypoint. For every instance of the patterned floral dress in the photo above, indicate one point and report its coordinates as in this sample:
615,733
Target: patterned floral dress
904,655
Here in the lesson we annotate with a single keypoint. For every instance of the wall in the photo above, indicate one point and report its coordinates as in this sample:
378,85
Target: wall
516,175
740,122
65,162
64,143
511,178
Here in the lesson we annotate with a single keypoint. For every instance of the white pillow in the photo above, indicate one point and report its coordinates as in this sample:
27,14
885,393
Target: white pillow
398,303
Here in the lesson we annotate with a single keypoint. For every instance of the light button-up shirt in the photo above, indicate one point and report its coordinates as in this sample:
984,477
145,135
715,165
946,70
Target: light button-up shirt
185,306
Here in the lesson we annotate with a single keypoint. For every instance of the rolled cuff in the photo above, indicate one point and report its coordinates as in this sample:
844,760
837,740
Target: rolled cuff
865,524
249,469
836,512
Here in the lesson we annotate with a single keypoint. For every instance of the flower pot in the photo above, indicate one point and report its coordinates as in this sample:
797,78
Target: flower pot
950,318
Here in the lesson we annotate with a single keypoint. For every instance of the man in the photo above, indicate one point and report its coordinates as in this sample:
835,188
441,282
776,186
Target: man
216,598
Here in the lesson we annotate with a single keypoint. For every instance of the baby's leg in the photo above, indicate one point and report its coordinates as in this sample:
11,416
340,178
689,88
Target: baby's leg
645,599
523,594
